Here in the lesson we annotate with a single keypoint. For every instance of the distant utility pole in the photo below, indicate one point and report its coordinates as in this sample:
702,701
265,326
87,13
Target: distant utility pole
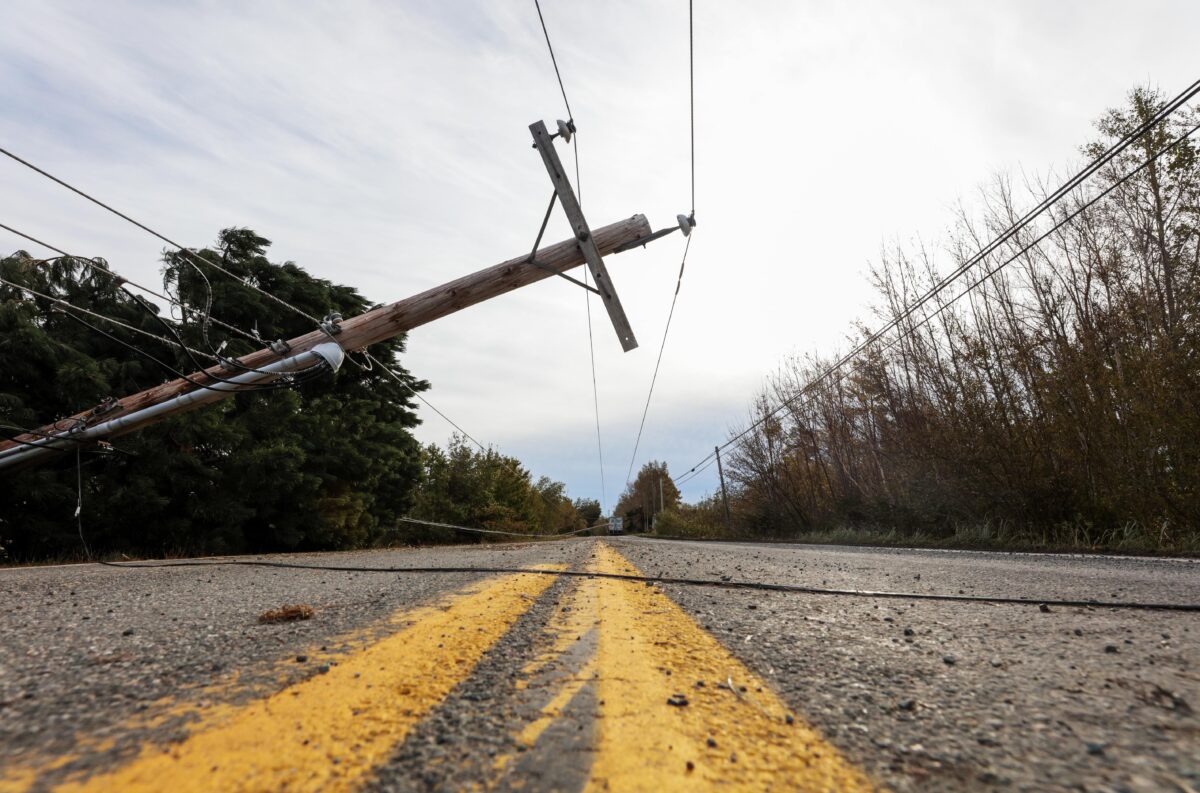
660,495
724,493
335,335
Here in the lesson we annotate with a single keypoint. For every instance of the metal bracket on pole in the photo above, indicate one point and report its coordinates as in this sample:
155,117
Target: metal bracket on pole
544,143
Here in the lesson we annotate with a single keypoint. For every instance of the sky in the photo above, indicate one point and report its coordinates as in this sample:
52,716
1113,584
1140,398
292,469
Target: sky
385,145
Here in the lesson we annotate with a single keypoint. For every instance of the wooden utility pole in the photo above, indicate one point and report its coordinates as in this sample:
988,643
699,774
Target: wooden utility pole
384,322
724,493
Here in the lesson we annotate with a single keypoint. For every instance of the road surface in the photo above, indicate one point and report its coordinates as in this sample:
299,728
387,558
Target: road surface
165,679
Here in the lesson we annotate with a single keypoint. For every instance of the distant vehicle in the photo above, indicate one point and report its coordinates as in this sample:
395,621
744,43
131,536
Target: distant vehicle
616,525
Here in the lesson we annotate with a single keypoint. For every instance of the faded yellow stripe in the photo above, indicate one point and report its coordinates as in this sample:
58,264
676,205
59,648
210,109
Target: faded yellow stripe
555,707
328,732
646,744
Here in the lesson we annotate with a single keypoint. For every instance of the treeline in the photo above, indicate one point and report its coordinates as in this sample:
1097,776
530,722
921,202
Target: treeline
481,488
1055,404
650,494
323,462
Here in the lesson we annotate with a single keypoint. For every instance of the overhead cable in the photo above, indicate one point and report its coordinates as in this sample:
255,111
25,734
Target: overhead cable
183,250
122,280
537,4
687,245
417,394
72,307
927,318
658,362
497,531
586,284
179,304
1118,147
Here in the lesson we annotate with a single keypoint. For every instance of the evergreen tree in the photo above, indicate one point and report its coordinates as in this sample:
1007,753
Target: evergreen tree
329,464
465,486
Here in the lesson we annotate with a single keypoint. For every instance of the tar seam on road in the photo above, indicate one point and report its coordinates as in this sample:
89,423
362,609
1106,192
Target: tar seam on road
752,585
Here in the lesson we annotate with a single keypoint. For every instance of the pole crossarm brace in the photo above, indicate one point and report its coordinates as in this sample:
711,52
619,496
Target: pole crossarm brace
363,330
544,143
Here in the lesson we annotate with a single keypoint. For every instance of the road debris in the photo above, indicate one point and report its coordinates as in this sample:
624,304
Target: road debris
290,613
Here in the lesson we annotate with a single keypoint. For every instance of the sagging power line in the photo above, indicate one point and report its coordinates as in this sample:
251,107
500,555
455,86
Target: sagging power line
123,281
686,224
586,247
1008,234
568,128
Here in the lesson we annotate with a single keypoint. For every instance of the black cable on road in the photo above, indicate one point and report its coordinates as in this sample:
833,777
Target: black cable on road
698,582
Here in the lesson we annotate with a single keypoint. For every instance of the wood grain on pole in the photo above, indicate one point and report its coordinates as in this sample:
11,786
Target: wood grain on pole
391,320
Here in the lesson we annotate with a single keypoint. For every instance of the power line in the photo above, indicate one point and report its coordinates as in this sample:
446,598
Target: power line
695,582
69,308
183,250
183,307
287,381
121,282
926,319
595,396
537,4
417,394
654,379
990,248
692,100
72,307
587,294
692,474
497,531
687,246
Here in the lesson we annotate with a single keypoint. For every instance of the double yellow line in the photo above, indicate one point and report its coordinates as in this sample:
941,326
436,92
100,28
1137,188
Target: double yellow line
676,711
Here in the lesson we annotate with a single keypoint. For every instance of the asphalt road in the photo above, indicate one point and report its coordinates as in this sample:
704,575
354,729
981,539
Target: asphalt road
164,678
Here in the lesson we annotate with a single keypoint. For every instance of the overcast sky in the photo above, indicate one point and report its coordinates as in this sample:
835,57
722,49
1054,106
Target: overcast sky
385,145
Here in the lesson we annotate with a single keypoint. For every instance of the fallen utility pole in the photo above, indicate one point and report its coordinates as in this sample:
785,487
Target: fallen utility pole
351,334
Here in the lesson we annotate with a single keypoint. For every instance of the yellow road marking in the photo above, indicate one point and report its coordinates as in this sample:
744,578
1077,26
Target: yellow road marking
181,710
646,744
329,732
565,626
